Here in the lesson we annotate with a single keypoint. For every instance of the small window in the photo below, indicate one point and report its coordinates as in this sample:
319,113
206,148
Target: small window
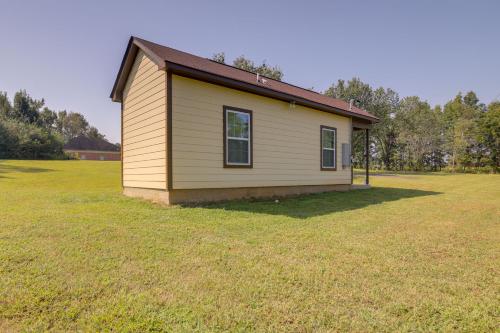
328,148
237,137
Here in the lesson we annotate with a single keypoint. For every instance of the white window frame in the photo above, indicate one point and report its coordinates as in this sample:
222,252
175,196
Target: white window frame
334,149
248,140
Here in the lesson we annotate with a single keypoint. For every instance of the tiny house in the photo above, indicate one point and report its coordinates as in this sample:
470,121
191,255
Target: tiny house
196,130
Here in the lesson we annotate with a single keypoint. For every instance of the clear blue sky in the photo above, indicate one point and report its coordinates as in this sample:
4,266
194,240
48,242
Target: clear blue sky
69,52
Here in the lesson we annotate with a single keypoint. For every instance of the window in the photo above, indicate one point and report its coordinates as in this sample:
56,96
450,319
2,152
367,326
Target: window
237,138
328,148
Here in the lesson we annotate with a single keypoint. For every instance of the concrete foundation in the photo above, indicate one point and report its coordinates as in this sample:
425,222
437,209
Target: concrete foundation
159,196
191,196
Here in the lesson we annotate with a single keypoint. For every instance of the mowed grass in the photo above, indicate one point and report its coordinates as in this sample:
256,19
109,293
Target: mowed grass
414,253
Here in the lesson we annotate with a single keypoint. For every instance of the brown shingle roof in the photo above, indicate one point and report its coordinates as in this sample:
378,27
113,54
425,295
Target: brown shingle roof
167,57
83,142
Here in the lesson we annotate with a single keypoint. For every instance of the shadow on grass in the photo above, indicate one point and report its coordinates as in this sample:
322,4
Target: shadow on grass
323,203
7,168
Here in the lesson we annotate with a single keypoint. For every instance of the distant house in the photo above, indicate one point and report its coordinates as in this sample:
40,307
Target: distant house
85,148
197,130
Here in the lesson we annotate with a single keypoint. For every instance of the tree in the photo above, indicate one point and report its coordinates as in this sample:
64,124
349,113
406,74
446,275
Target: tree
489,135
263,69
61,116
26,108
219,57
361,93
384,105
5,106
93,133
71,124
21,140
419,134
272,72
8,139
460,117
74,124
243,63
47,119
470,99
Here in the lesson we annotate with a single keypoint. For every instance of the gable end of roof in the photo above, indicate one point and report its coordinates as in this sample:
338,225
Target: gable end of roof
134,44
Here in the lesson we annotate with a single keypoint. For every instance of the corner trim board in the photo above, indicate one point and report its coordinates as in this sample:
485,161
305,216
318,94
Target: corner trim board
169,131
350,142
121,142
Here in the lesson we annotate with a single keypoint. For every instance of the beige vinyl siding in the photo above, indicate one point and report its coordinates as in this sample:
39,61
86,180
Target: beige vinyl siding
286,141
144,126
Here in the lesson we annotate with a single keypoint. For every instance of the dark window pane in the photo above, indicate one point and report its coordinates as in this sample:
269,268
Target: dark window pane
328,139
328,158
237,151
237,124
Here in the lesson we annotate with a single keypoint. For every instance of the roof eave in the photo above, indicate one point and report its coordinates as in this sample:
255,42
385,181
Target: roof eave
135,44
260,90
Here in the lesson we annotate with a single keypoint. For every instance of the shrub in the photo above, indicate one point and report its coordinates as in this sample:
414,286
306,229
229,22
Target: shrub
28,141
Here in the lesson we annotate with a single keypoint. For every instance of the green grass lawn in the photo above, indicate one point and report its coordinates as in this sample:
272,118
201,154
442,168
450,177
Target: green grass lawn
414,253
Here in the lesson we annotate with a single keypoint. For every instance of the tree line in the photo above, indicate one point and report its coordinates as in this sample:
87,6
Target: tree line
30,130
464,135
